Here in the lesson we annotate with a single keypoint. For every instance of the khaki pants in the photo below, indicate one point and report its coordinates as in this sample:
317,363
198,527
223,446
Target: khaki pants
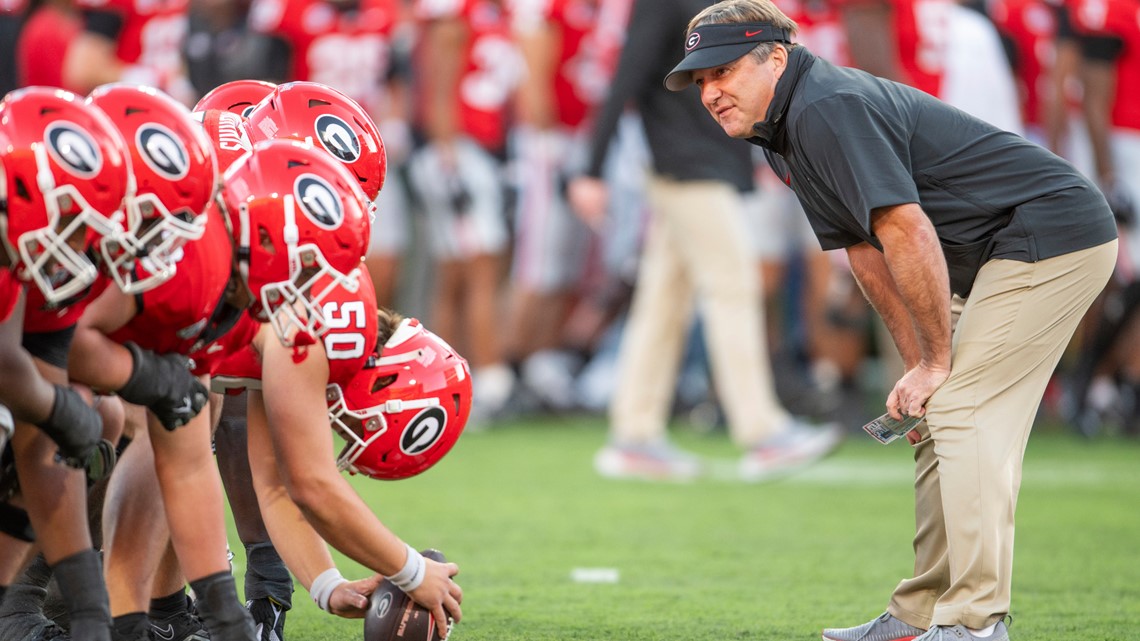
695,251
1010,335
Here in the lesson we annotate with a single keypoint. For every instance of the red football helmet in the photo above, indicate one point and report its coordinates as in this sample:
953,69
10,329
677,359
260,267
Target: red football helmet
65,172
176,176
328,119
227,133
301,226
238,96
410,405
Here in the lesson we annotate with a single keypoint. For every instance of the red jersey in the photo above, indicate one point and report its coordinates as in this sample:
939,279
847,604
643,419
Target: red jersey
152,33
349,50
574,76
922,28
209,352
1119,18
173,316
9,293
1032,27
38,317
42,46
491,66
351,337
820,29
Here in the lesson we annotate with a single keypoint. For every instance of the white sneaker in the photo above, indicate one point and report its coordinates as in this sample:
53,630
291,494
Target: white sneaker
549,374
797,446
659,461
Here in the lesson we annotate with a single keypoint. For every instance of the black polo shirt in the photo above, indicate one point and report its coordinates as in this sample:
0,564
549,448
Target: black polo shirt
848,142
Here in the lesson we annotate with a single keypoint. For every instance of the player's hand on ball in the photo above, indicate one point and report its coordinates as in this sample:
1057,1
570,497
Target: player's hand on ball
439,593
350,600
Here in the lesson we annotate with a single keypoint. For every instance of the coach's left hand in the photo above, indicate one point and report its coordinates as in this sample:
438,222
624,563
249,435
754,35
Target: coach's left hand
910,394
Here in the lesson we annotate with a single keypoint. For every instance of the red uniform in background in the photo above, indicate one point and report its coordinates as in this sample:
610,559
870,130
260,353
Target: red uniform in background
1032,27
346,47
921,29
149,35
820,28
43,44
490,67
575,74
1119,19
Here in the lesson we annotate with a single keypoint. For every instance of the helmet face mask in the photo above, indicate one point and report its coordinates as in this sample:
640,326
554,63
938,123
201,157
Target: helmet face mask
176,177
293,307
300,224
405,409
65,173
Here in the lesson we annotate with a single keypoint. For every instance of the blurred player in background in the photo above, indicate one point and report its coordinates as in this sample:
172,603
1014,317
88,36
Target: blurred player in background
352,47
222,47
467,70
134,41
1106,378
548,145
50,29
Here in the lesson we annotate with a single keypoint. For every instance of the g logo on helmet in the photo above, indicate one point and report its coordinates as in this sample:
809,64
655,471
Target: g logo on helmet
423,431
319,201
693,41
162,151
73,149
383,605
338,138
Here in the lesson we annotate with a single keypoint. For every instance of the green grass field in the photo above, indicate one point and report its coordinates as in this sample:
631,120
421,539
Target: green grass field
519,507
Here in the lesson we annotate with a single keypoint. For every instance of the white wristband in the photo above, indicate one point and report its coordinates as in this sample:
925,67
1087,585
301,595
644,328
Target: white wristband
412,575
324,585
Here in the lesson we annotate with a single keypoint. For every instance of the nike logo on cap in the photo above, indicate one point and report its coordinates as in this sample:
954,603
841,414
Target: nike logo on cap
749,34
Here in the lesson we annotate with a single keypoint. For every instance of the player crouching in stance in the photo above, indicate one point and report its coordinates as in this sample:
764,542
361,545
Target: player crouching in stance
326,338
171,283
64,171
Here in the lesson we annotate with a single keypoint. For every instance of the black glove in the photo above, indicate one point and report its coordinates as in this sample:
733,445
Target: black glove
74,426
165,386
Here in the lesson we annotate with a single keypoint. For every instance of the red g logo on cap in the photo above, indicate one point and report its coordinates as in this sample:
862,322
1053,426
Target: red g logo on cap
693,41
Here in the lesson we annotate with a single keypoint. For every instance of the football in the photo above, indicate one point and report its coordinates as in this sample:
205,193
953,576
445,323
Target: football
394,616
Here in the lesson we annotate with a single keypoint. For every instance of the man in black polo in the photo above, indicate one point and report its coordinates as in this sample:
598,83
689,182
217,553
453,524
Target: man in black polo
951,225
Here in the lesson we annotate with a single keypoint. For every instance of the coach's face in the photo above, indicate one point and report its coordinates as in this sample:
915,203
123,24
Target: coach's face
738,94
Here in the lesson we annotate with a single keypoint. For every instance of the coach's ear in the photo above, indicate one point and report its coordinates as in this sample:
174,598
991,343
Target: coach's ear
779,57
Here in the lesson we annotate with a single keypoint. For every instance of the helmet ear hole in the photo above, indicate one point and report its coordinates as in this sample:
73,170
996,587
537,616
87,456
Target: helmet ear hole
22,189
265,239
383,382
455,404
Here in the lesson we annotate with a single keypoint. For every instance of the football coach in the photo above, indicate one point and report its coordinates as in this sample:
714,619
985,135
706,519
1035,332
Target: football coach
980,250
